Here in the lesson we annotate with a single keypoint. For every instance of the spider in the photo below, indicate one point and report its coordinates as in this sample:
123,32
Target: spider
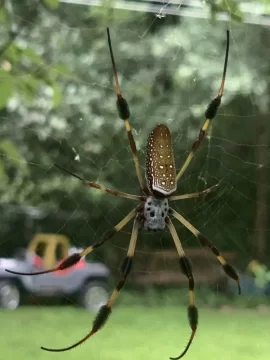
153,212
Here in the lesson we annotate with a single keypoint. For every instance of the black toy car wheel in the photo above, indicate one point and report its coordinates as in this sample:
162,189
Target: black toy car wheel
9,295
93,295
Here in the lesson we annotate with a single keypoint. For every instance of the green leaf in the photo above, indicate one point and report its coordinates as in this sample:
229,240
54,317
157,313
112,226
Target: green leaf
10,150
62,69
29,86
53,4
31,54
3,175
3,16
57,96
6,87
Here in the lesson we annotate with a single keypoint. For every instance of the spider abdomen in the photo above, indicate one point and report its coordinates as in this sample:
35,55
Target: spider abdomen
160,167
155,212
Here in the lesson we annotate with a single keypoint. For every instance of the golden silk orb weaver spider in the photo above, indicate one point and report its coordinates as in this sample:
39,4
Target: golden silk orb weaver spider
153,212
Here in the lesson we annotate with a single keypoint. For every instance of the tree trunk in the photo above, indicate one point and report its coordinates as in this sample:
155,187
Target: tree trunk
261,198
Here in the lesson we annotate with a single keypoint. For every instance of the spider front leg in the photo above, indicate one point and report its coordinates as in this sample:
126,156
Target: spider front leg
105,310
187,270
193,195
75,258
101,187
228,269
124,114
210,113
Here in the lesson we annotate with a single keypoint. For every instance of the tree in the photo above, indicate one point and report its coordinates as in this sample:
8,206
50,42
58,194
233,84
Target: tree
66,111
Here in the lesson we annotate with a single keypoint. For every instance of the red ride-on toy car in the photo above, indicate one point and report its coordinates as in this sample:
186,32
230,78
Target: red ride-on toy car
86,282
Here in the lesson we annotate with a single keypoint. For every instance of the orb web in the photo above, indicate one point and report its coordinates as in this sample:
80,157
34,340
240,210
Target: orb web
169,71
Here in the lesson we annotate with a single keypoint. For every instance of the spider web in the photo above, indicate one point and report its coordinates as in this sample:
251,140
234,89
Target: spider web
234,153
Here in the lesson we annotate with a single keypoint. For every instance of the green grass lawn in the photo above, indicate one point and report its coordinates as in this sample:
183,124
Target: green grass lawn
134,333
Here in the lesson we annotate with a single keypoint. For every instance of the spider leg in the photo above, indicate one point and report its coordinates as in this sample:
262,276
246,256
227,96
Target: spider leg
193,195
187,270
124,114
103,188
105,310
75,258
228,269
210,113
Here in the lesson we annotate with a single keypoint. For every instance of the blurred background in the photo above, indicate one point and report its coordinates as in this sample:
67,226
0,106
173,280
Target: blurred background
57,105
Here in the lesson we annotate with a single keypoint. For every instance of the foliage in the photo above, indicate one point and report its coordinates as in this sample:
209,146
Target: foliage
59,106
261,273
206,297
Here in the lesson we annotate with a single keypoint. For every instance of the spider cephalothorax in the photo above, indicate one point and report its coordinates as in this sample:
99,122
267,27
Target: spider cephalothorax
153,212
